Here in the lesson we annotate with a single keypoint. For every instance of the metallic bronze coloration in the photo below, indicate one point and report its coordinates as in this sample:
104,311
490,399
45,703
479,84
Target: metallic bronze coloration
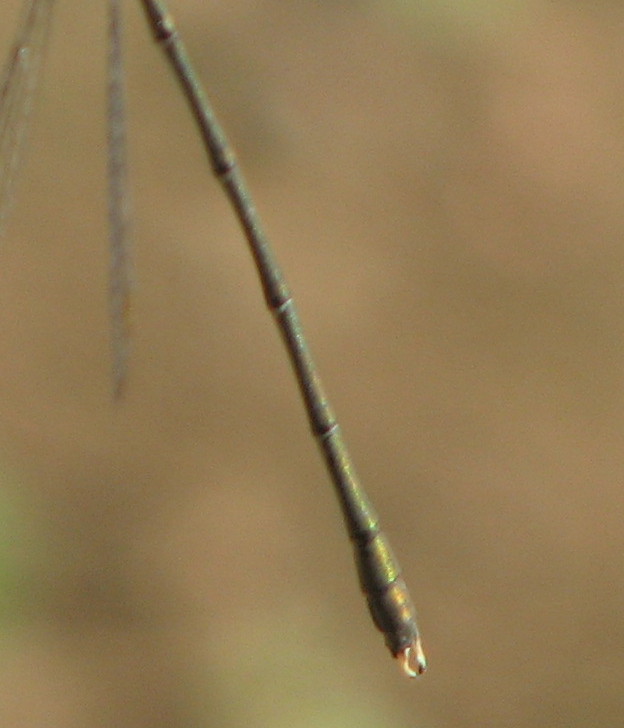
378,570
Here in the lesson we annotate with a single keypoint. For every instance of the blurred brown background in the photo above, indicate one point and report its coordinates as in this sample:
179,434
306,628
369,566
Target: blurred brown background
444,188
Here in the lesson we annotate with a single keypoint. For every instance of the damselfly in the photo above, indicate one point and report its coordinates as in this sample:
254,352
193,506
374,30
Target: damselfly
379,574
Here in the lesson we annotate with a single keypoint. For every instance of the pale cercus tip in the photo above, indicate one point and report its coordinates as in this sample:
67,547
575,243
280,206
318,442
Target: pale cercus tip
412,659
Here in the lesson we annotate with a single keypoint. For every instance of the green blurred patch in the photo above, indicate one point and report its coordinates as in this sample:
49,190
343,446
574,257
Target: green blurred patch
11,535
298,677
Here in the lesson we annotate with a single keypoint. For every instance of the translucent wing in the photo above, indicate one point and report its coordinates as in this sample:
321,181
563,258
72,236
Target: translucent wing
120,282
17,92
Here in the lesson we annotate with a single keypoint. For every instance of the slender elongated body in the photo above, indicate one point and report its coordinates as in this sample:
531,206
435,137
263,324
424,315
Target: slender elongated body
379,574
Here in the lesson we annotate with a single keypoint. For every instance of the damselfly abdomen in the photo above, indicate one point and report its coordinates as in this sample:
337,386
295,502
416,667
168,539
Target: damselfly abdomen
379,573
